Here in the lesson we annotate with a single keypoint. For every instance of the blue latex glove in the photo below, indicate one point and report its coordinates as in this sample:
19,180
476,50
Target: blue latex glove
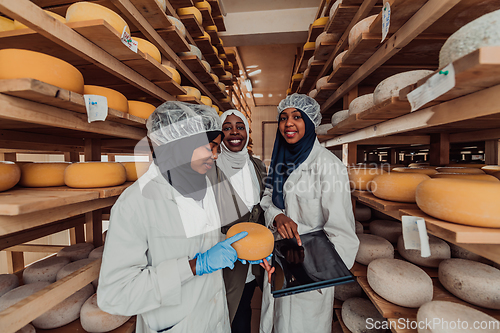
255,262
221,255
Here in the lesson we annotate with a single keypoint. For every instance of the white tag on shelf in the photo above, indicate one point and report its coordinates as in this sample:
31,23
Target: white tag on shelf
386,20
128,41
437,85
415,235
97,107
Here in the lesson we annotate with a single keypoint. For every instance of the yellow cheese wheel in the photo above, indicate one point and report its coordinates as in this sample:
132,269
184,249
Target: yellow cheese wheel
135,170
472,176
6,24
203,4
257,245
466,165
140,109
211,28
145,46
16,64
309,45
321,21
84,11
289,90
230,65
459,170
418,165
297,77
222,86
43,174
215,50
425,171
10,173
192,91
216,108
19,25
175,74
191,10
470,202
178,25
116,100
95,174
221,42
228,75
206,100
205,35
397,186
360,178
229,51
491,169
216,78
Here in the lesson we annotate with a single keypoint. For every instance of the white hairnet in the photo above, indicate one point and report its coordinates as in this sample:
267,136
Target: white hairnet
175,120
303,103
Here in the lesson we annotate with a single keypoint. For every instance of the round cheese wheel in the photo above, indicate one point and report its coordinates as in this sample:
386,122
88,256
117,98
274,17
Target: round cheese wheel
221,42
373,247
19,25
44,270
466,165
325,37
338,60
206,100
6,24
73,267
210,28
205,35
390,230
94,174
64,312
43,174
7,283
18,294
390,87
288,91
323,129
440,250
228,75
258,244
178,25
360,178
445,314
400,282
339,116
215,50
312,93
222,86
362,213
216,79
356,312
297,77
483,31
93,319
192,91
496,175
145,46
358,227
135,170
334,7
348,290
175,74
96,253
191,10
418,165
309,62
469,202
470,176
491,169
309,45
16,64
460,170
321,82
84,11
320,21
359,28
397,186
225,100
471,281
10,173
77,251
27,329
140,109
206,65
193,51
425,171
116,100
203,4
361,104
216,108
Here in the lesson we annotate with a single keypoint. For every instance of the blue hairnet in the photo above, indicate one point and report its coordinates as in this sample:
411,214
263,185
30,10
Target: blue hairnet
303,103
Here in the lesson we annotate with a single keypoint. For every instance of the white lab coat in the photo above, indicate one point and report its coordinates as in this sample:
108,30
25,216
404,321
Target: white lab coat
145,269
317,196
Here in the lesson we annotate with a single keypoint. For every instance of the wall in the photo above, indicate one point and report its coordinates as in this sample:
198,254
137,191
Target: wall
263,114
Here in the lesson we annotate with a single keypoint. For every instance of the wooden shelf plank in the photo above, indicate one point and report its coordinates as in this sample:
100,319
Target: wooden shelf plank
314,32
323,51
214,36
189,99
181,3
195,65
207,17
306,55
173,38
216,91
388,109
325,92
219,70
384,205
295,85
338,312
204,44
192,25
341,18
401,11
76,327
102,192
152,12
219,22
214,4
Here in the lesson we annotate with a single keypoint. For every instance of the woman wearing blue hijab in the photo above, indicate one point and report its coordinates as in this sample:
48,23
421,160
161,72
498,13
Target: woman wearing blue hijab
308,190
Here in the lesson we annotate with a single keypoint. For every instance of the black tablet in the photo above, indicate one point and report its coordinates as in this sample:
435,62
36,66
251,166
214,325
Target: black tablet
314,265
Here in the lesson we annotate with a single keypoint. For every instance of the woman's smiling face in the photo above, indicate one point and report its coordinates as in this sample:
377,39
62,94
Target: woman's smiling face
291,125
235,134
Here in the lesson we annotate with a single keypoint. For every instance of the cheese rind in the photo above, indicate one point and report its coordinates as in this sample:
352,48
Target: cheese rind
191,10
135,169
178,25
390,230
339,116
359,28
476,171
348,290
76,251
192,91
145,46
43,174
257,245
440,250
93,319
140,109
95,174
6,24
10,173
17,294
390,87
193,50
470,176
373,247
203,4
338,60
175,74
397,186
360,178
44,270
206,100
361,104
7,283
116,100
356,312
84,11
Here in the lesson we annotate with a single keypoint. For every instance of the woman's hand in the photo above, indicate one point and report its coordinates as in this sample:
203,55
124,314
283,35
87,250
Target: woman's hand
270,270
287,228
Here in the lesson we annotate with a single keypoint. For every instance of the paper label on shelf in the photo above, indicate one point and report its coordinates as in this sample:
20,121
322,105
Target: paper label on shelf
437,85
386,20
97,107
415,235
128,41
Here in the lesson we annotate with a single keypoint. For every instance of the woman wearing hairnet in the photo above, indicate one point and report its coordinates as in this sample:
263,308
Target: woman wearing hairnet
163,260
308,191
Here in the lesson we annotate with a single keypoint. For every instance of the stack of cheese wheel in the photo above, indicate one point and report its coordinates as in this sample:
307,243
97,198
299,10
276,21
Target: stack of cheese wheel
338,60
339,116
482,32
19,25
425,171
361,104
43,174
471,176
390,87
44,270
191,91
191,11
360,177
373,247
469,202
193,50
357,312
257,245
145,46
178,25
396,186
76,251
95,174
16,64
325,37
6,24
116,100
10,173
206,100
362,213
321,21
323,129
361,27
440,250
390,230
135,169
460,170
93,319
175,74
203,5
140,109
84,11
7,283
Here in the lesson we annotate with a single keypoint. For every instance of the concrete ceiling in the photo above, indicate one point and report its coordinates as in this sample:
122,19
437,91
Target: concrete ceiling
267,34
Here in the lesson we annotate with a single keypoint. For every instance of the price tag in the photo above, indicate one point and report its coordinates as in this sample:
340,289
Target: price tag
97,107
386,20
437,85
128,41
415,235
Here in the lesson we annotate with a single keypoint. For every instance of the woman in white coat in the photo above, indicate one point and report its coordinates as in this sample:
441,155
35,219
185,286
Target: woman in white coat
163,260
308,191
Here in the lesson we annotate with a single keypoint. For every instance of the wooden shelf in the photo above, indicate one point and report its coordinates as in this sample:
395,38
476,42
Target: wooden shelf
172,37
189,99
102,192
326,91
207,17
323,51
181,3
192,25
219,22
218,69
306,55
315,31
338,312
384,206
195,65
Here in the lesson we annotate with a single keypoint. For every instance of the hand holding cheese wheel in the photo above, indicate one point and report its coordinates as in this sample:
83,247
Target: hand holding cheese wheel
135,169
43,174
10,173
116,100
84,11
397,186
95,174
140,109
257,245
